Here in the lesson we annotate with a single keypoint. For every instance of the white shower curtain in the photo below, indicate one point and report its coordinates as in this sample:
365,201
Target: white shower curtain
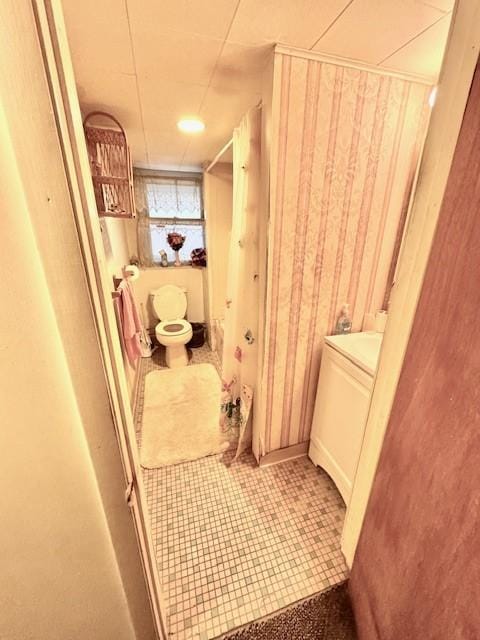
241,305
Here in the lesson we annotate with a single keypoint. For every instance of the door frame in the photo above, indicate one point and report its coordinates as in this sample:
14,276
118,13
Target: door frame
455,80
59,71
458,68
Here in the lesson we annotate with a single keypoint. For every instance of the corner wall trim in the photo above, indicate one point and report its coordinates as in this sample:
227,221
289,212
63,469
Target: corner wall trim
352,64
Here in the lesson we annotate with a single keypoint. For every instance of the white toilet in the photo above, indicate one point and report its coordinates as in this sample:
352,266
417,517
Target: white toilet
173,331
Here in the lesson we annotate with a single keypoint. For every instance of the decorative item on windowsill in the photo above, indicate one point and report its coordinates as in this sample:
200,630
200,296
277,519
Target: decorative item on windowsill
199,258
176,241
163,258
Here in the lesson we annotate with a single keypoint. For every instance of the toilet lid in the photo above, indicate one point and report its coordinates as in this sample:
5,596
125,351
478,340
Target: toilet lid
169,302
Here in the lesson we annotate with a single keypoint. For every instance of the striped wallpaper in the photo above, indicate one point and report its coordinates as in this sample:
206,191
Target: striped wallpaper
345,144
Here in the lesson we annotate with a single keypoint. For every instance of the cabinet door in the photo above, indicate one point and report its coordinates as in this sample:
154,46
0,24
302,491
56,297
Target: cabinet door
341,409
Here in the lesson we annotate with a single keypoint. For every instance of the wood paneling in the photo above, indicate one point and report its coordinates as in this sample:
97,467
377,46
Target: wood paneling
344,145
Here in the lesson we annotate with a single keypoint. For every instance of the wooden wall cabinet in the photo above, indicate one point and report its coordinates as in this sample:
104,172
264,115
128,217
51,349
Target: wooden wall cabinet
110,165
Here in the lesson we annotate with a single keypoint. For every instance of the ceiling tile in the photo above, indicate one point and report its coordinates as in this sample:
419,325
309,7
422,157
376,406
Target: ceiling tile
184,67
424,54
197,155
442,5
181,57
167,99
298,23
370,30
240,67
115,93
221,113
209,18
165,148
98,36
164,104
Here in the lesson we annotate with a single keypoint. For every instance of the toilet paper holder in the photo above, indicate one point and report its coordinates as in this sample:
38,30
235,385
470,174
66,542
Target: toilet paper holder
129,272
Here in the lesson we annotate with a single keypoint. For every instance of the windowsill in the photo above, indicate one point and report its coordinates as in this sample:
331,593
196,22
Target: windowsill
158,267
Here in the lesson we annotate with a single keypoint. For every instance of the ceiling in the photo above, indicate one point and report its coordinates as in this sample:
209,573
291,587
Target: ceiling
152,62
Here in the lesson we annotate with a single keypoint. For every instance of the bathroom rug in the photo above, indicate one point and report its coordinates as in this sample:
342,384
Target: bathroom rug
181,416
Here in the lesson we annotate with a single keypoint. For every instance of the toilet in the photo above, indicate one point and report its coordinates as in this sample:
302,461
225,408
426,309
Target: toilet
173,331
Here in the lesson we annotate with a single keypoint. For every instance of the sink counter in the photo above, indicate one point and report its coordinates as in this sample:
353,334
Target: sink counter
363,349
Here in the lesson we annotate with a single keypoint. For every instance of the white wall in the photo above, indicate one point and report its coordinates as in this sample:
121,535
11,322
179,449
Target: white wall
70,560
59,576
115,243
117,255
218,198
190,278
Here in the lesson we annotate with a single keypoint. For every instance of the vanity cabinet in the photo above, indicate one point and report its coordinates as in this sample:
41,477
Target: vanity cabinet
341,407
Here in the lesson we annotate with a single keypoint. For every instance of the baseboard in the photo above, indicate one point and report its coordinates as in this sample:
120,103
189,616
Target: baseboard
287,453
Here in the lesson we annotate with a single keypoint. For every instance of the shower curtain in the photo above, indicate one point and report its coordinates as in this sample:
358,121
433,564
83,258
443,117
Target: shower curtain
241,304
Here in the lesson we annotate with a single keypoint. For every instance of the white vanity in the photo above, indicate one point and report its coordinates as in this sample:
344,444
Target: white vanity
345,383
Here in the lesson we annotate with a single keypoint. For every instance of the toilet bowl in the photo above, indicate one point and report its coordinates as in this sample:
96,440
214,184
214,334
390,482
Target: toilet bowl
173,331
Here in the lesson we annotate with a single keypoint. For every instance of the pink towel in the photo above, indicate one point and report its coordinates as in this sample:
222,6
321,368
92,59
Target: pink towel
131,323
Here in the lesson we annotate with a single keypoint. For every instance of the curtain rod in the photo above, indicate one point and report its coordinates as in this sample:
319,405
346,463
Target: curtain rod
219,155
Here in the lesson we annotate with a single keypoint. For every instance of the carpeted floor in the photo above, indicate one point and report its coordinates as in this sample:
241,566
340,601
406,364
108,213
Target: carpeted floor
325,616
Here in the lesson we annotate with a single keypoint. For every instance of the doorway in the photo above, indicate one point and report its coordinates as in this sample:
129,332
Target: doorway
253,530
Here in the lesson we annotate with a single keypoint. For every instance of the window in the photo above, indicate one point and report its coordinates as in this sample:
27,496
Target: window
167,203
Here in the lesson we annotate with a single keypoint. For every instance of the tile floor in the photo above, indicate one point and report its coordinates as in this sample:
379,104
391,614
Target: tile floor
235,543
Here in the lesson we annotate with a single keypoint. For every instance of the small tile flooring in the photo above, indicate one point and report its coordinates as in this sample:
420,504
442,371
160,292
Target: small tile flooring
235,543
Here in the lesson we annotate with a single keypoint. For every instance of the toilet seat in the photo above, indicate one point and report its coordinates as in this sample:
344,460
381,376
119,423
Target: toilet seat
172,328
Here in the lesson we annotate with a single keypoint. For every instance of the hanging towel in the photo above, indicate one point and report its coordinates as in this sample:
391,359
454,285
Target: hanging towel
131,323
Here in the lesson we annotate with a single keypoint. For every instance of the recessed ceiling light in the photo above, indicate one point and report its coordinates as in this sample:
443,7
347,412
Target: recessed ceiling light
191,125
